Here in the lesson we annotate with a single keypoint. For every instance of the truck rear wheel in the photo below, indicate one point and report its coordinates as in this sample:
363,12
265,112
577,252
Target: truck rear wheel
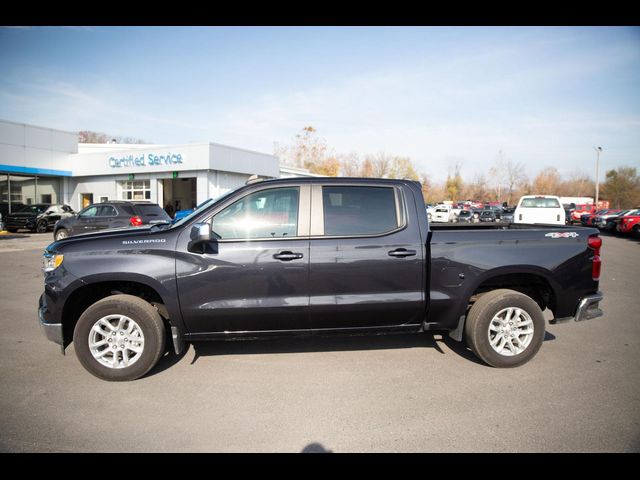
119,338
505,328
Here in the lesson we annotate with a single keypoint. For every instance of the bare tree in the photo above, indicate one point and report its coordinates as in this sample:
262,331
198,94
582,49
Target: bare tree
307,151
349,165
380,164
514,174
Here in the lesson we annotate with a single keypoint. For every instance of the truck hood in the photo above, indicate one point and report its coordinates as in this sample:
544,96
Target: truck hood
133,233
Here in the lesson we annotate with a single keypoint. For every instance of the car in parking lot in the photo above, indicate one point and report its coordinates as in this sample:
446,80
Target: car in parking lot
441,214
544,209
465,216
37,218
629,223
609,221
113,214
488,216
582,209
587,219
507,215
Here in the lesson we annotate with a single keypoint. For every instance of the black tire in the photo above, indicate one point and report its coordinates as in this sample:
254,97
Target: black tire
480,316
41,226
60,231
12,230
149,321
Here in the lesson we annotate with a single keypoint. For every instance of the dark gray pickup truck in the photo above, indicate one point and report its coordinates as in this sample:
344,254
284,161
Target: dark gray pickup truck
314,256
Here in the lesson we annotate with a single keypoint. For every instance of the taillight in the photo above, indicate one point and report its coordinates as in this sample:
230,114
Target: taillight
594,243
135,221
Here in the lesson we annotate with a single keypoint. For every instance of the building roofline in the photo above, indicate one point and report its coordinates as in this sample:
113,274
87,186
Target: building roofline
38,126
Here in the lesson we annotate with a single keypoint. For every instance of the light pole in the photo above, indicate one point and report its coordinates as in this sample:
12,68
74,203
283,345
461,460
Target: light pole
598,150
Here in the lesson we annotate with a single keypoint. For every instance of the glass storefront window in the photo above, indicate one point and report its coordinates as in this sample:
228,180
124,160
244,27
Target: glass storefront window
19,190
136,190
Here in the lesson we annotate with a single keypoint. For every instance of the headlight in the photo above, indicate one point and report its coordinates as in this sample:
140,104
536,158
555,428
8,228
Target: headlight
51,261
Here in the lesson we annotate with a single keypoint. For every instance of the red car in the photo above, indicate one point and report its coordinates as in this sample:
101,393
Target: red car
582,209
587,219
630,224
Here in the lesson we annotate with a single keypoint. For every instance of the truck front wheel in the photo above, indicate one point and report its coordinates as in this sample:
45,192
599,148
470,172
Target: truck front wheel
505,328
119,338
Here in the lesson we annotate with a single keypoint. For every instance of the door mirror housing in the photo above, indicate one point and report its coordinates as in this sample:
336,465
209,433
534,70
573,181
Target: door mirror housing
201,238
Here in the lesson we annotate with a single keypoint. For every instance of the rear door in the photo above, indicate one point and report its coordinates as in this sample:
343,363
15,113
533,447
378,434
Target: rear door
366,257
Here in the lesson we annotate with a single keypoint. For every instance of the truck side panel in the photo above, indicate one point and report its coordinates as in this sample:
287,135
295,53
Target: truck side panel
461,260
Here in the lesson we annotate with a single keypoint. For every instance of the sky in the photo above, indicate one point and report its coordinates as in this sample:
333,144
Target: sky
544,96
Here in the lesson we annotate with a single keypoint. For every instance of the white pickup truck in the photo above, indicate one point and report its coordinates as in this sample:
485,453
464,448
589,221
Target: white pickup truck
544,209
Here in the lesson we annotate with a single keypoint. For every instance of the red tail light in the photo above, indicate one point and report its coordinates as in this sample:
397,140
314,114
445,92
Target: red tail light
594,243
135,221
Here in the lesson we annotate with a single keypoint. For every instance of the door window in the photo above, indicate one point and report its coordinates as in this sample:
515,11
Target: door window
89,212
106,211
271,213
351,210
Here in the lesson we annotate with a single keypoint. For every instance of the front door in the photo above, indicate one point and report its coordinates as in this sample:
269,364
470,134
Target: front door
367,265
256,276
86,221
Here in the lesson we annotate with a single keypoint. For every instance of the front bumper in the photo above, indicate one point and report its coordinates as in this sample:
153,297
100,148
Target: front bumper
53,331
588,308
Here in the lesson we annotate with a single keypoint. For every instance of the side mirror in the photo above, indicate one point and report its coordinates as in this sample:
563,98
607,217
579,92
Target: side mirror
201,238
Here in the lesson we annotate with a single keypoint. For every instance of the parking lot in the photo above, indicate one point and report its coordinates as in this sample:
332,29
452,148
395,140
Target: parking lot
420,393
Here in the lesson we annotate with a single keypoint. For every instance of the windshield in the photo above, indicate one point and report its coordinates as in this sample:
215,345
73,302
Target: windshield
33,209
203,206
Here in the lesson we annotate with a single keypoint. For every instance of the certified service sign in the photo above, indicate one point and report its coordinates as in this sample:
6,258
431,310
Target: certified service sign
146,160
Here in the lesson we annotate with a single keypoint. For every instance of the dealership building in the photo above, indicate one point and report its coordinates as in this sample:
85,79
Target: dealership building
45,165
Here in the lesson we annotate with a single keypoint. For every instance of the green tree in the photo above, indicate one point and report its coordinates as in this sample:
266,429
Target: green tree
622,187
453,185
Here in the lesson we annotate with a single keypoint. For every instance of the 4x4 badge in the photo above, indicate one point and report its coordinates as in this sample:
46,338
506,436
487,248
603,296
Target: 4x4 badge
562,235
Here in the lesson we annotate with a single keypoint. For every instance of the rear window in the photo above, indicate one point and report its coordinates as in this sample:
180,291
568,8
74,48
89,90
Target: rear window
127,209
359,210
442,210
151,212
487,214
540,203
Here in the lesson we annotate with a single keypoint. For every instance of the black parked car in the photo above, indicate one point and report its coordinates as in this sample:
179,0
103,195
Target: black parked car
507,215
488,216
465,216
36,218
101,216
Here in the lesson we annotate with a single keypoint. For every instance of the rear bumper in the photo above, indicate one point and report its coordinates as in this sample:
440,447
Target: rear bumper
588,308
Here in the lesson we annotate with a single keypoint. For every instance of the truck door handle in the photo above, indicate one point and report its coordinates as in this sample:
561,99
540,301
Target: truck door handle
402,252
287,256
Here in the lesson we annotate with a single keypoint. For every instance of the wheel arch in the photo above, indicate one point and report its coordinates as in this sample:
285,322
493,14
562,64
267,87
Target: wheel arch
533,281
97,287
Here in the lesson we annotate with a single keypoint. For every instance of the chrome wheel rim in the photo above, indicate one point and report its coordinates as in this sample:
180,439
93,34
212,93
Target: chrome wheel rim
116,341
510,331
61,235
